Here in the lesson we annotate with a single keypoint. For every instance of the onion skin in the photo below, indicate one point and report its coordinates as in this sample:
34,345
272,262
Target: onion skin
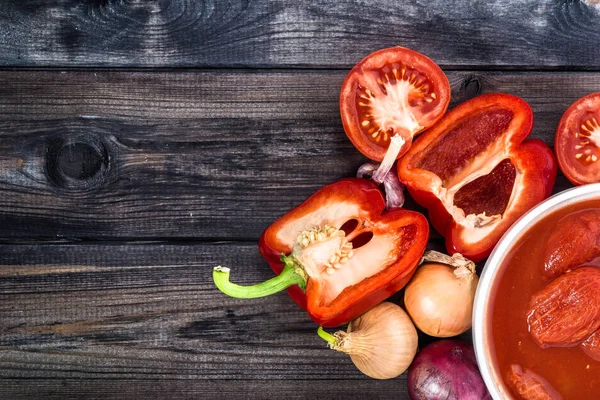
381,343
446,370
439,299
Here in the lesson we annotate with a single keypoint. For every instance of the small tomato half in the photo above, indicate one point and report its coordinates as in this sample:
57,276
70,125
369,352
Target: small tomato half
577,142
391,91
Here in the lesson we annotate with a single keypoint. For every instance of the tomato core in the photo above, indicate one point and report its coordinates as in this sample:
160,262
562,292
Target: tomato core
387,108
577,142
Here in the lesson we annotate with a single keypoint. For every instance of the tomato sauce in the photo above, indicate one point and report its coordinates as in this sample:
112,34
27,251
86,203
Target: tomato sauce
569,370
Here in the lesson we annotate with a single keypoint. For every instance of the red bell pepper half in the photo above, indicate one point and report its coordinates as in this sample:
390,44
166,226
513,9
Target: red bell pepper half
476,175
338,252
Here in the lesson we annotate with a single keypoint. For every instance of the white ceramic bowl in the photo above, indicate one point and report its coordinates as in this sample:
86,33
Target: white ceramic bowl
494,268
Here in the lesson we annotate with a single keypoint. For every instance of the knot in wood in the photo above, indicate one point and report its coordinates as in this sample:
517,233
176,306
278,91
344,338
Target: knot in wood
79,162
471,87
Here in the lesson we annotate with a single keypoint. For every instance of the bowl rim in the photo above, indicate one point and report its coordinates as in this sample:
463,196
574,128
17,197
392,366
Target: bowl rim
480,321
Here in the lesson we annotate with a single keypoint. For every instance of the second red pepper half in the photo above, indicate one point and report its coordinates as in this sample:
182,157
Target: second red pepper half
338,252
476,175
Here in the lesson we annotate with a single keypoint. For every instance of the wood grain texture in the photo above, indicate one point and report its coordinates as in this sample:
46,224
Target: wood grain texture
331,34
202,155
133,320
194,389
121,189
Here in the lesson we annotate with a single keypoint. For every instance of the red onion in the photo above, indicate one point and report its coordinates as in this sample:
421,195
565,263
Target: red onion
447,370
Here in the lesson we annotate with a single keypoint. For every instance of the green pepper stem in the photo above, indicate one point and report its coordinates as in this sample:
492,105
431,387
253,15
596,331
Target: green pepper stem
287,278
328,337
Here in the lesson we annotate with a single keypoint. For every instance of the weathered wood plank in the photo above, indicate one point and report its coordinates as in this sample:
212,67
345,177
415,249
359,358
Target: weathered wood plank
176,33
122,320
194,389
198,155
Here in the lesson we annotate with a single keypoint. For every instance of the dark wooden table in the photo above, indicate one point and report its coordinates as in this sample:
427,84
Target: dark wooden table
143,142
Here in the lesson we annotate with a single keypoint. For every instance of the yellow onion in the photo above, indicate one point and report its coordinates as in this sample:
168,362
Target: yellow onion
439,297
381,343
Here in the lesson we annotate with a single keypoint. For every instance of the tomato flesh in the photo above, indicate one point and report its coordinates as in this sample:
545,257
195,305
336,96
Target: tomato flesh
591,346
393,91
530,386
573,241
567,310
577,142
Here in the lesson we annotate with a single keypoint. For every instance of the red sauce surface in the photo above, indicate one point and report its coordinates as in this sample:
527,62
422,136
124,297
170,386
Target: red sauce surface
573,374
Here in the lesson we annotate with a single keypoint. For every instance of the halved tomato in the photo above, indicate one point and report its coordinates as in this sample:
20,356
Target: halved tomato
394,91
577,142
